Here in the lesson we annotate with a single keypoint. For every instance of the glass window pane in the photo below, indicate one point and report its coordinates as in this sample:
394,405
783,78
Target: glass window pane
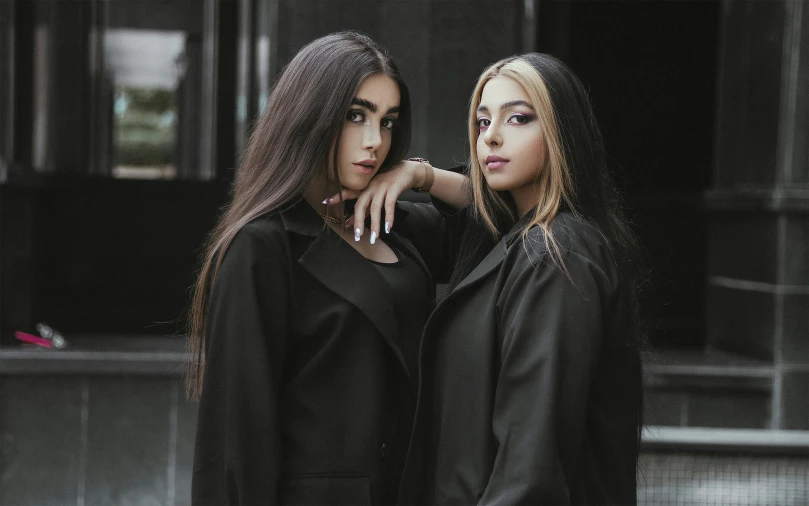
146,69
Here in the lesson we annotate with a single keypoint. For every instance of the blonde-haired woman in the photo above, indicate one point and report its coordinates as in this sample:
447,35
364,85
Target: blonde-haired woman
530,387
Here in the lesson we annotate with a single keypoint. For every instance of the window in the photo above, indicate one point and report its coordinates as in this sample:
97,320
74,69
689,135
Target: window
146,69
109,88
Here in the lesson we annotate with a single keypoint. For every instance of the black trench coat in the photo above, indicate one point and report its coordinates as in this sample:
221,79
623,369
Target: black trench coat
531,387
307,398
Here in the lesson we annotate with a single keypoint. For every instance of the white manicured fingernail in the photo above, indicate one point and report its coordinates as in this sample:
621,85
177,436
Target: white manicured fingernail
373,237
326,201
387,227
357,233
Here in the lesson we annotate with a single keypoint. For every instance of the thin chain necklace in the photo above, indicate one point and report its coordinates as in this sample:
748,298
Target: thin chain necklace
330,219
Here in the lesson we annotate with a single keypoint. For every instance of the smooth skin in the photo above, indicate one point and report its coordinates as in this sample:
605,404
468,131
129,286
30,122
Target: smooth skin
365,143
509,129
379,198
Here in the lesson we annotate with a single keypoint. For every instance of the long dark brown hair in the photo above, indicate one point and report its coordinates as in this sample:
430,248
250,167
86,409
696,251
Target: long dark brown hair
290,147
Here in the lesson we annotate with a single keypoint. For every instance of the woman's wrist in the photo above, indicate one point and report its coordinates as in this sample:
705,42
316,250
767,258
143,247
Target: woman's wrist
424,175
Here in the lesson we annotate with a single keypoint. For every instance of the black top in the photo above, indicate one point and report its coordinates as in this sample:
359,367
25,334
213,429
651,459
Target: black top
531,384
307,388
409,288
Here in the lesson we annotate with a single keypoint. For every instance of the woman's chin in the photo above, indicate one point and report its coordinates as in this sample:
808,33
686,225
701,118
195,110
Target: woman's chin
496,185
356,185
356,182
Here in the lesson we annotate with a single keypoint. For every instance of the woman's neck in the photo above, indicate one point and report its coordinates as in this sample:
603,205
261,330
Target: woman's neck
315,194
525,199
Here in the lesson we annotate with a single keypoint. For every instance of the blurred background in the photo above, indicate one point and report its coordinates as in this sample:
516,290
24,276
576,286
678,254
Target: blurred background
121,122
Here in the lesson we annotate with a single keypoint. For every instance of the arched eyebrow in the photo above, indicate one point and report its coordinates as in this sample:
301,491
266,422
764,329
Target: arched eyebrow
512,103
372,106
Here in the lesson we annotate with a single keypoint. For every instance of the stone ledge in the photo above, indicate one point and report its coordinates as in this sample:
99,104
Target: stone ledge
710,440
139,355
706,368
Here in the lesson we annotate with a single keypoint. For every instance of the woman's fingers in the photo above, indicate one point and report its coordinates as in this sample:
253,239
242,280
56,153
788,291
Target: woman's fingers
378,199
390,208
359,215
395,189
345,194
375,209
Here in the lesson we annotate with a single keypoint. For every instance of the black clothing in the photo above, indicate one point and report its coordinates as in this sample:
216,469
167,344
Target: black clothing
530,390
307,390
409,288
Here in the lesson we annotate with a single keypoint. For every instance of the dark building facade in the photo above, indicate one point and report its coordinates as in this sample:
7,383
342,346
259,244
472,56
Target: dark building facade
121,122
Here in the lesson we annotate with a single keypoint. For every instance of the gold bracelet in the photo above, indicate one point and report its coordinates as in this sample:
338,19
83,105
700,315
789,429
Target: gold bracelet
429,174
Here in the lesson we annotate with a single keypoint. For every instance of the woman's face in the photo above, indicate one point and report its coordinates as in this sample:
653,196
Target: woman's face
510,147
367,131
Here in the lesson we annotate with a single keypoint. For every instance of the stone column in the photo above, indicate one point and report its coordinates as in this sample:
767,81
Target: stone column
758,221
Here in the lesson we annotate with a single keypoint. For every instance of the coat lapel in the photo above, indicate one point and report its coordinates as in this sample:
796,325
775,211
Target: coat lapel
496,255
344,271
487,265
490,262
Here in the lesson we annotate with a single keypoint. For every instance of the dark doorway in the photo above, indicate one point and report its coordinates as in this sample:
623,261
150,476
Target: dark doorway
651,69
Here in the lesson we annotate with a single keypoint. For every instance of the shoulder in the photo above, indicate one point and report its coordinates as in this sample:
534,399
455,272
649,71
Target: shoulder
578,243
582,275
269,226
255,263
257,239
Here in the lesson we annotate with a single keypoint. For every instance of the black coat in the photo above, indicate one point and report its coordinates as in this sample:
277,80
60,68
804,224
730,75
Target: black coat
307,398
531,384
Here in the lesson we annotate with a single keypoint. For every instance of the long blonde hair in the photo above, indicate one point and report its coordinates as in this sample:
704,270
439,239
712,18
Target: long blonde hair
553,179
574,176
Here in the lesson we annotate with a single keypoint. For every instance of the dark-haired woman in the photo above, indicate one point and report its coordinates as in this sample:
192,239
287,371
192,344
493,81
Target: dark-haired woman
304,335
530,371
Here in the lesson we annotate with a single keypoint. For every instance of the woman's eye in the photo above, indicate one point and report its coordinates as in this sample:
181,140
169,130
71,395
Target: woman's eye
483,123
355,116
388,123
520,119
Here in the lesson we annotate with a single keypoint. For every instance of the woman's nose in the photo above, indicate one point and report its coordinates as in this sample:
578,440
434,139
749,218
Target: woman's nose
373,137
492,137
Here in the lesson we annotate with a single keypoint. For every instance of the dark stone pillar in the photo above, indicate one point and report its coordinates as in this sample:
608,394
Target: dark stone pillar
758,261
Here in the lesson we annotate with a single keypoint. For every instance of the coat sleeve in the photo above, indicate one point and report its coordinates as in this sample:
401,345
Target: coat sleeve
435,229
238,444
551,330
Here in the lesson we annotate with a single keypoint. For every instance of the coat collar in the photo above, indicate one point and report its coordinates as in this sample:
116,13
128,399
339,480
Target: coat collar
299,217
498,253
496,256
338,266
489,263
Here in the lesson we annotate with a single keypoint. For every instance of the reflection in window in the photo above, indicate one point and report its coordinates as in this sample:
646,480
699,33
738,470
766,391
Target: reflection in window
145,69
